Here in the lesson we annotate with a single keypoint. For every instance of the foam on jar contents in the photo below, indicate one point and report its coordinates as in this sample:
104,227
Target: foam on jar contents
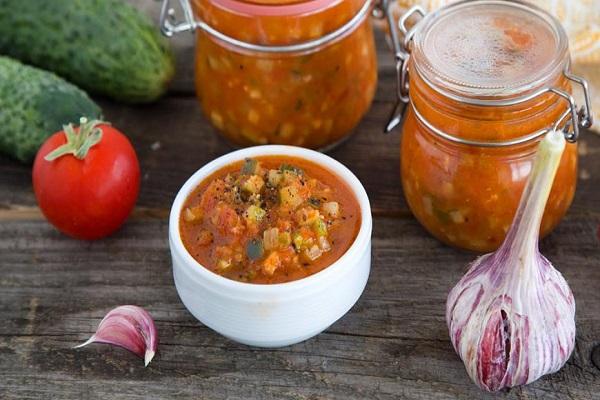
490,48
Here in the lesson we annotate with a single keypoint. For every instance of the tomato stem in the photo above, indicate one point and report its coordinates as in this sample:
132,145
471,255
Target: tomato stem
78,143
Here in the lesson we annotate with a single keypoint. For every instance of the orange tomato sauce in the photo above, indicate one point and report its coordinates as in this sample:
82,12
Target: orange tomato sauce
269,220
467,196
312,100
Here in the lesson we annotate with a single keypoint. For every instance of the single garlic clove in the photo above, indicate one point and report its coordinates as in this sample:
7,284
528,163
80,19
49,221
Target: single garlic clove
129,327
511,318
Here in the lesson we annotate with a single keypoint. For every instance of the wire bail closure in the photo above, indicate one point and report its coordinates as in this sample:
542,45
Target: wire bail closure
401,54
579,118
171,25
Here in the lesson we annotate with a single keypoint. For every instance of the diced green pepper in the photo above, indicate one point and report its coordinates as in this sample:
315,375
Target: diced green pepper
297,240
291,168
255,249
314,202
320,227
250,166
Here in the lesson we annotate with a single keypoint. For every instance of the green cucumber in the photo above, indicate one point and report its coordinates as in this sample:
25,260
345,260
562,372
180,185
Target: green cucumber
106,47
34,104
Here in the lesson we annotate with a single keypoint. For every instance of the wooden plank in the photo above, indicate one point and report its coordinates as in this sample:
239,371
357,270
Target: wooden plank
393,343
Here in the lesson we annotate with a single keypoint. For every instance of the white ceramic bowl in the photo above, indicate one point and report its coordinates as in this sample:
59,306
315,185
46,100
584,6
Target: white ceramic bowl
278,314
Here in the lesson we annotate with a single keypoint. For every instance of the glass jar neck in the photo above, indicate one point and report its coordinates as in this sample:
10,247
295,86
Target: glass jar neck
277,23
483,121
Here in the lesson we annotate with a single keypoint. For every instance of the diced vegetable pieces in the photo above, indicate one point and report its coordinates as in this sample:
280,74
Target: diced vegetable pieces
290,197
271,239
298,240
457,216
255,249
441,215
289,178
205,238
193,214
291,168
331,209
312,253
307,216
324,244
253,184
303,238
274,177
254,214
271,263
266,223
314,202
428,205
250,166
223,265
320,227
285,239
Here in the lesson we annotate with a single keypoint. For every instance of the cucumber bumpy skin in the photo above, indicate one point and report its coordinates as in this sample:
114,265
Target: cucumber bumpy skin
106,47
34,104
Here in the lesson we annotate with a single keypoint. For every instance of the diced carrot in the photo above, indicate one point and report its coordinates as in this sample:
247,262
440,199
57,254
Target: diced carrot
271,263
205,238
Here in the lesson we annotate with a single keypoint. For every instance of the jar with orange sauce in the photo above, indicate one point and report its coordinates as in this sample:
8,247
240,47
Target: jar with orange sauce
483,81
298,72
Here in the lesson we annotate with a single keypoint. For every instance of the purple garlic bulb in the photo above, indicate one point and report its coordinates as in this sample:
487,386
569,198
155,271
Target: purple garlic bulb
511,318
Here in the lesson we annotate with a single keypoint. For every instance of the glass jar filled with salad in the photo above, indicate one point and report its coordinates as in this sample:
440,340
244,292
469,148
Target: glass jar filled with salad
480,83
281,71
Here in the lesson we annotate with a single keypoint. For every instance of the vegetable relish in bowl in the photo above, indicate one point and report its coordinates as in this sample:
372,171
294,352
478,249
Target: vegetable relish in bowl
269,219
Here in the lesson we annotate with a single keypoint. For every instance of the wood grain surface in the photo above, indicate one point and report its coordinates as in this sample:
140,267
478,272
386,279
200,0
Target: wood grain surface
392,345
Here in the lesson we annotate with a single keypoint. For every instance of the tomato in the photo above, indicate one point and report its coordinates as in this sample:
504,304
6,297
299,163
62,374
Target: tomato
86,179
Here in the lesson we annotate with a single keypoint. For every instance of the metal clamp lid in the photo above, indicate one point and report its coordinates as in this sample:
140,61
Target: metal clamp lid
401,54
170,25
579,118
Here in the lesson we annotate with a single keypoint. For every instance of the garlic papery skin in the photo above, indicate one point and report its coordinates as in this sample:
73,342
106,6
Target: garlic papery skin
130,327
511,318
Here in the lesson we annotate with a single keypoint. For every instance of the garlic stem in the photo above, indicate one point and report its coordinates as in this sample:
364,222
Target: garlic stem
524,232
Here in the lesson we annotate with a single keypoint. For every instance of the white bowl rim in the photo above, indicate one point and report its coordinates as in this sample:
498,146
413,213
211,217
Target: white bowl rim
342,172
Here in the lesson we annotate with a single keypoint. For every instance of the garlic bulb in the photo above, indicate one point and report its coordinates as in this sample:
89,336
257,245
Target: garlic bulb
129,327
511,318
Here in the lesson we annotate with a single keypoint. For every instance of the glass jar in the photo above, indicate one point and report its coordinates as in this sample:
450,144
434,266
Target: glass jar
488,79
283,71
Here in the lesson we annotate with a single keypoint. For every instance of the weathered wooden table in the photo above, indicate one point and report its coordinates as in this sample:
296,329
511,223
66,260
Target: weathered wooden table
392,344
